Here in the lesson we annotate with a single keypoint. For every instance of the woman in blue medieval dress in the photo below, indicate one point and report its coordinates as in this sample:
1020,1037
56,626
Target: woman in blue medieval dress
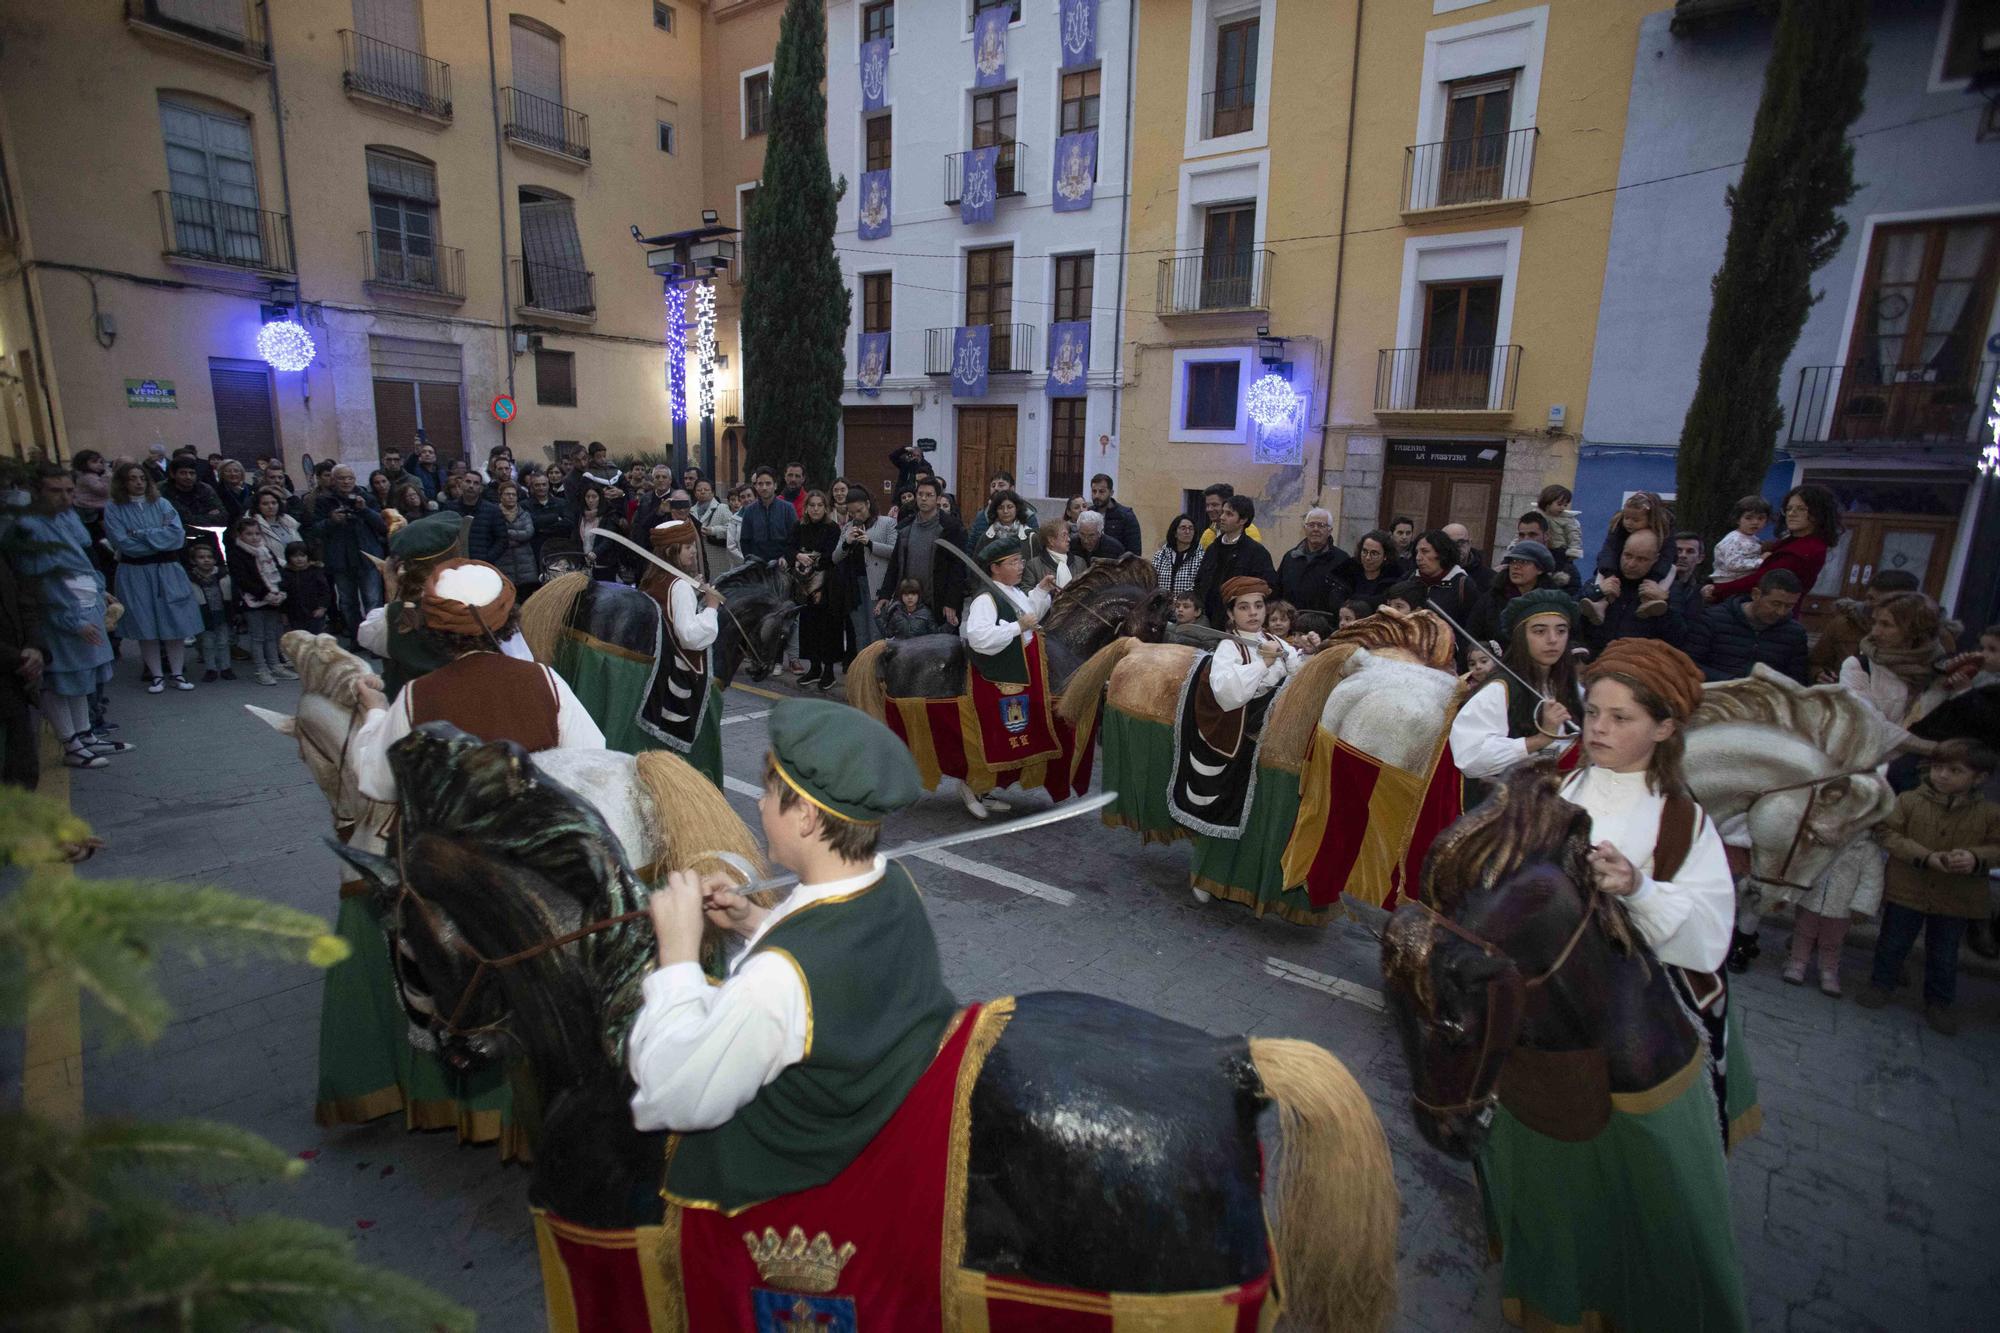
161,609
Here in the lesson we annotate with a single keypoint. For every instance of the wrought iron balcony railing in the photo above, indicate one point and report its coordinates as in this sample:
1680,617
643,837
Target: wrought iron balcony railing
208,231
1943,403
1199,282
1488,168
374,68
1447,379
399,264
1009,173
1226,111
235,26
554,289
1010,350
536,122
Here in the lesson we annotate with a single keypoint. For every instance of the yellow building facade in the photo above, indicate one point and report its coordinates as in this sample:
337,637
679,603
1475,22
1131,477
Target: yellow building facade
442,192
1405,209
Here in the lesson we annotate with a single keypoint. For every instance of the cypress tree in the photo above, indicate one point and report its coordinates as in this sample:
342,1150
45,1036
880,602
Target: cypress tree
795,306
1784,224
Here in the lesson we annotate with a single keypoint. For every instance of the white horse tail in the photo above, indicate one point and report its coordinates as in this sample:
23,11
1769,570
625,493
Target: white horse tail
1334,1191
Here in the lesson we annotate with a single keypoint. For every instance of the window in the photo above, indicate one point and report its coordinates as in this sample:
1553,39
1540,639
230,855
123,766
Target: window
1972,45
1066,427
1234,87
213,178
881,134
1461,320
1228,256
1013,8
993,123
1079,100
553,276
537,59
402,204
878,20
756,103
1475,139
1209,398
555,378
989,299
667,144
877,305
663,16
1073,279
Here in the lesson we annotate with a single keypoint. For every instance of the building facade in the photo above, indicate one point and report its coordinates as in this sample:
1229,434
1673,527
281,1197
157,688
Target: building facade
1886,393
442,194
927,143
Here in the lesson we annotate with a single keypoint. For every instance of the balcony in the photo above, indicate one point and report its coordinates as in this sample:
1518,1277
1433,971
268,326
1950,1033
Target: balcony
1009,173
230,29
1936,408
1010,350
195,230
1468,387
374,71
1486,172
554,291
437,276
1199,283
1227,111
547,127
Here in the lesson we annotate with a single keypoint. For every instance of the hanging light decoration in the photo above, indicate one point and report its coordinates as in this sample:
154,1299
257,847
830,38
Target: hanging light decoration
704,346
1271,400
677,351
285,344
1989,457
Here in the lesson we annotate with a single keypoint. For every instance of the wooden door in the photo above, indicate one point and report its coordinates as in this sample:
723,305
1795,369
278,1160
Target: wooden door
1435,497
1461,321
1227,253
1915,357
1869,543
985,446
1475,140
246,422
868,436
989,300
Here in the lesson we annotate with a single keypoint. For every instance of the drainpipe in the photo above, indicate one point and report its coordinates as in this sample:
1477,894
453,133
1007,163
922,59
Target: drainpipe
1340,259
500,197
1124,214
284,164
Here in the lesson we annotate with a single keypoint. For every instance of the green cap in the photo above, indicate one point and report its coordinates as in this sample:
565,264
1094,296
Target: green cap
999,549
842,760
1539,601
432,535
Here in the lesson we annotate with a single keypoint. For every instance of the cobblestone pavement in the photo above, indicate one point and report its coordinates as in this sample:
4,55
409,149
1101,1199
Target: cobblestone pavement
1857,1209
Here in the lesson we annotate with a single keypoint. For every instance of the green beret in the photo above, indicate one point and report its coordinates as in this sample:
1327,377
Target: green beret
999,549
842,760
434,534
1539,601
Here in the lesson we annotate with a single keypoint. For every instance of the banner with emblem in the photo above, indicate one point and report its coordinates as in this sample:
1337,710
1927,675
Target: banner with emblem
873,363
871,216
1075,181
969,350
1069,358
981,185
1079,34
989,47
875,74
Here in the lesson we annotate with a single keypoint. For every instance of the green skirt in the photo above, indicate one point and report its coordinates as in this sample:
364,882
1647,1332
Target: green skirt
367,1067
1138,763
612,688
1249,869
1630,1230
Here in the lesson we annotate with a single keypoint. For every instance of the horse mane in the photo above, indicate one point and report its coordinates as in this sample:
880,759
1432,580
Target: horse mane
1295,715
547,610
1128,573
325,668
1524,820
1830,717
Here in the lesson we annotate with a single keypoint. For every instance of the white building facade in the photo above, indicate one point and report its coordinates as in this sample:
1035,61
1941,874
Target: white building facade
1051,253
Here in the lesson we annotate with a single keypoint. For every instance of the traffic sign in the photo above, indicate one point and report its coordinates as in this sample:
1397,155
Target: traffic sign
503,409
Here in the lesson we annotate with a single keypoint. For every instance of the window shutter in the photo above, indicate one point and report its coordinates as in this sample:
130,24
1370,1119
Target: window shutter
404,177
395,416
244,426
537,62
392,21
555,378
444,421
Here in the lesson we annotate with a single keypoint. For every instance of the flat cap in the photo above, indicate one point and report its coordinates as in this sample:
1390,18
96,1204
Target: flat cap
431,535
1531,551
1665,670
1536,602
842,760
999,549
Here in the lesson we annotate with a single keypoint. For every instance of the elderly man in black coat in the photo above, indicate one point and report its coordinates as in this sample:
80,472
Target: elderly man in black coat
1308,576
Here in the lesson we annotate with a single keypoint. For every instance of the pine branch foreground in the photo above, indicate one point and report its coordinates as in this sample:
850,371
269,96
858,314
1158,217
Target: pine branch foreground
1784,225
795,305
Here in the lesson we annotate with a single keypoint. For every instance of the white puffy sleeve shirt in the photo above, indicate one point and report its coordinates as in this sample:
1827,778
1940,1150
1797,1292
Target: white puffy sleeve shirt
986,633
1688,920
383,727
1480,745
1239,674
700,1053
695,625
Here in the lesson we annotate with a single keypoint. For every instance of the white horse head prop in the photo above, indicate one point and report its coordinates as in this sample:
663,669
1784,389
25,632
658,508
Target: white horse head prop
328,713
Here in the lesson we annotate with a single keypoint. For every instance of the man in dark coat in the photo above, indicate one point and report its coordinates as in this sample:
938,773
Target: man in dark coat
1120,523
1631,604
1234,552
1733,636
1307,576
348,531
550,514
1093,538
942,578
767,521
487,537
21,665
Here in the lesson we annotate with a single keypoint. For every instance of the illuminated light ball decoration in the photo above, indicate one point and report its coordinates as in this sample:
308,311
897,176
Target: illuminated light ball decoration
677,351
1989,457
285,344
1271,400
704,346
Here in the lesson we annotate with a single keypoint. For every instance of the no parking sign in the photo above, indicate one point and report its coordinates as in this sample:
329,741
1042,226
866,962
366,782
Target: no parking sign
503,409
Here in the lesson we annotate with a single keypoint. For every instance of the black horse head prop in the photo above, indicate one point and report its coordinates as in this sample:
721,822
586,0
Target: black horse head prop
492,862
758,606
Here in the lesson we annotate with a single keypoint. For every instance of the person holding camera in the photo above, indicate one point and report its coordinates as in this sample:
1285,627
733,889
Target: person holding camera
348,531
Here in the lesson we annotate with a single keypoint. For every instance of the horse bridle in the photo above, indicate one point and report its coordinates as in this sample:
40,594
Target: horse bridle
1812,786
1506,1001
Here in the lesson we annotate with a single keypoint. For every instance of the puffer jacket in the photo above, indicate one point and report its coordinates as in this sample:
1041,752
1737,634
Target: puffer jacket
1725,644
1925,821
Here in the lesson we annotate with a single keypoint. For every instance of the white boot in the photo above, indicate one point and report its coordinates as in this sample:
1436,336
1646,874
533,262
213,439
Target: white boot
973,805
1201,895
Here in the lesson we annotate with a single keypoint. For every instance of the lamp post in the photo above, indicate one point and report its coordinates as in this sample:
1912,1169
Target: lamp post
688,263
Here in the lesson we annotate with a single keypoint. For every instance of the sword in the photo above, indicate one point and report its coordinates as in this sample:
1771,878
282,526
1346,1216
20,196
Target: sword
991,586
1492,650
1054,815
649,557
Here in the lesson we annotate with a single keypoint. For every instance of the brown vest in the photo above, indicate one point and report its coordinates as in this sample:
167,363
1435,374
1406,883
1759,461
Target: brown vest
492,696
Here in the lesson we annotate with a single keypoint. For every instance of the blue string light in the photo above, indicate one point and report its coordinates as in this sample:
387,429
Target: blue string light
677,351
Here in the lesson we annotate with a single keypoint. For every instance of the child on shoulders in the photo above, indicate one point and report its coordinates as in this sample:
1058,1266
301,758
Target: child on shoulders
1741,550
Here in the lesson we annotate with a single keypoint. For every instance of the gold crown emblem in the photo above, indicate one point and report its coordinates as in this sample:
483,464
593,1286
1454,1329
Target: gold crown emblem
792,1263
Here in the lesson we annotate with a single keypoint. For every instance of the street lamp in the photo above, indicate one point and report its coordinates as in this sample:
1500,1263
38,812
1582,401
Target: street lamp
688,262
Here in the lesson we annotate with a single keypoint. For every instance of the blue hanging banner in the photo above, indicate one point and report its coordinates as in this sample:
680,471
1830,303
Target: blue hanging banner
989,48
1069,358
982,187
1075,180
969,344
874,363
1079,34
875,74
871,215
